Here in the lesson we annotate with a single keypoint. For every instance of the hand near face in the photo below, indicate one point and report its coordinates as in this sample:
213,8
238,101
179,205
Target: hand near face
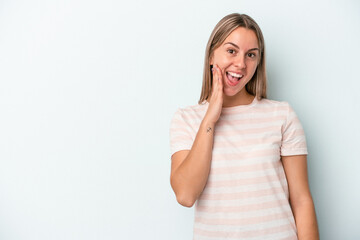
238,57
217,96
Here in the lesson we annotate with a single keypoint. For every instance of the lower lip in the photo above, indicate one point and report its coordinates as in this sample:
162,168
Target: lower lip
231,83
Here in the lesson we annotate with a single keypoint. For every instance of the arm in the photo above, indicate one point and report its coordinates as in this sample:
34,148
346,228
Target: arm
190,169
300,197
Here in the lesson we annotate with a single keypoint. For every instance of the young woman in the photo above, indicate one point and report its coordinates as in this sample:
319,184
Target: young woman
239,156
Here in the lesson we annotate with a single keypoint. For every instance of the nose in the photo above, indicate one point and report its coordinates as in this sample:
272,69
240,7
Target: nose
239,62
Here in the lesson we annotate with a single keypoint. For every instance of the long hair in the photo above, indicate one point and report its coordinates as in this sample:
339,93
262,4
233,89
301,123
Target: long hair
257,85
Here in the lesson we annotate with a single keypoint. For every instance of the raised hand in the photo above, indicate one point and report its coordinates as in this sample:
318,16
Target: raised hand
216,99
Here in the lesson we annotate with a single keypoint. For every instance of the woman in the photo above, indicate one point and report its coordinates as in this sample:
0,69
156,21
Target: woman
239,156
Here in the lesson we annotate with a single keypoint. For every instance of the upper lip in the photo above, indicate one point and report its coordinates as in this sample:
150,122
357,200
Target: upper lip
241,73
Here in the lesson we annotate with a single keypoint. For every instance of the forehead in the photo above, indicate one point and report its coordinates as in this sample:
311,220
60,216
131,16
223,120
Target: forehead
243,37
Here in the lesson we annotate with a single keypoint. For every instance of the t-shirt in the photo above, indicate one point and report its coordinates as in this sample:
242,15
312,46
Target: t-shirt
246,195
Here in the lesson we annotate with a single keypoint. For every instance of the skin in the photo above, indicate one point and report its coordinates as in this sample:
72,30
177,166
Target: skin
190,169
239,53
301,201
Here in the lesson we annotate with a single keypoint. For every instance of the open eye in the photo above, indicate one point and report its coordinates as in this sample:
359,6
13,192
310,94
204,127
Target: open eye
251,55
231,51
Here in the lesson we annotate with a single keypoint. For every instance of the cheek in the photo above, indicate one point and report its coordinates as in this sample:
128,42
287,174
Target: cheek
221,60
252,68
225,65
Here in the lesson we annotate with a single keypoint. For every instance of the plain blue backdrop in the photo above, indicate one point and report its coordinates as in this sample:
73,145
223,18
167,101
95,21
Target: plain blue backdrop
88,89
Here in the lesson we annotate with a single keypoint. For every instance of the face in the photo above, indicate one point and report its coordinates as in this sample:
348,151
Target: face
237,57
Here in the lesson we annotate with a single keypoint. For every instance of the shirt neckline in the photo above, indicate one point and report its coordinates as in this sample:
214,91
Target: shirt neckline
238,107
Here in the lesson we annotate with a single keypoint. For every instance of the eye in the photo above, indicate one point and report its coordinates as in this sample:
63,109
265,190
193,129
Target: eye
251,55
231,51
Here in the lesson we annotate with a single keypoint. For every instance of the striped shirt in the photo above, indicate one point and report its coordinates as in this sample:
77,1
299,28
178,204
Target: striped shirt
246,195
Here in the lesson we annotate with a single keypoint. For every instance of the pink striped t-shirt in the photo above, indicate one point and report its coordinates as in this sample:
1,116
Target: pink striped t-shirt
246,195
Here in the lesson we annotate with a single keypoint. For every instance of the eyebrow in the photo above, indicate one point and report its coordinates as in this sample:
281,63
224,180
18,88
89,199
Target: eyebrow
239,48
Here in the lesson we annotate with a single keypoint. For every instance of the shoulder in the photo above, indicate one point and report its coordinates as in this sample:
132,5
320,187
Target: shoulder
190,114
191,110
273,105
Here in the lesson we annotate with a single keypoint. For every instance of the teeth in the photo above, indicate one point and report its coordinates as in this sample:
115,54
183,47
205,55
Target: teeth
235,74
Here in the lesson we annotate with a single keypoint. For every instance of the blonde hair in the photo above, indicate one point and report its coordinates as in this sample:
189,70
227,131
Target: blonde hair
257,85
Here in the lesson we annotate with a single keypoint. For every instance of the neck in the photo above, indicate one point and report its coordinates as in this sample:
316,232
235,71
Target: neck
242,98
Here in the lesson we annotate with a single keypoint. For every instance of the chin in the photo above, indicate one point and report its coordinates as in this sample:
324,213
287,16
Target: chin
231,93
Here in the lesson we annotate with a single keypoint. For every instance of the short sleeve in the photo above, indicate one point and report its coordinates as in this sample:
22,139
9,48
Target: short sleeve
180,133
293,136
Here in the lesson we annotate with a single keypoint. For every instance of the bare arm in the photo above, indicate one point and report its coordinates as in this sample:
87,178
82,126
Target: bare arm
300,197
190,169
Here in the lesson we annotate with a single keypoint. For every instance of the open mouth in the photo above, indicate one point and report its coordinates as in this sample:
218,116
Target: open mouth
233,78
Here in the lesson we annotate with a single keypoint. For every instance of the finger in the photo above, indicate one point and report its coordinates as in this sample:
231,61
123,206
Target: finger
214,78
219,77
